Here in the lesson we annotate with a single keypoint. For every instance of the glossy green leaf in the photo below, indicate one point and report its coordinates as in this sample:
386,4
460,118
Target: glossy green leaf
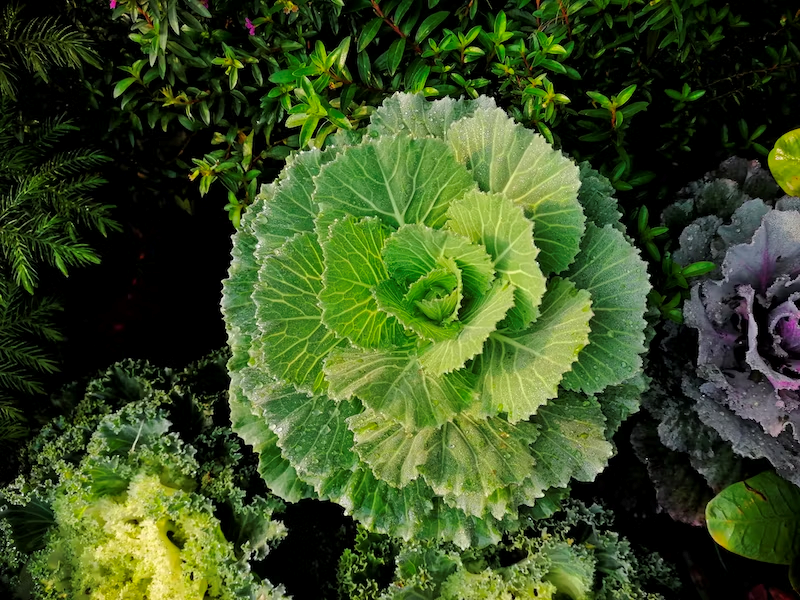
368,33
395,55
430,23
784,162
758,518
698,268
198,7
123,85
625,95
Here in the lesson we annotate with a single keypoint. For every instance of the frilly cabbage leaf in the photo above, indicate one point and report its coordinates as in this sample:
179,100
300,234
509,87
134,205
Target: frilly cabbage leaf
572,555
143,501
424,322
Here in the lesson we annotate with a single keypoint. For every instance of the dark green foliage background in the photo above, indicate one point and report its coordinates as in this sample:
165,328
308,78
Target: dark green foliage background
225,124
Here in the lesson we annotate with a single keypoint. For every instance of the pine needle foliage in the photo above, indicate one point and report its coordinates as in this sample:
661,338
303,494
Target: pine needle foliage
46,204
26,322
36,44
45,200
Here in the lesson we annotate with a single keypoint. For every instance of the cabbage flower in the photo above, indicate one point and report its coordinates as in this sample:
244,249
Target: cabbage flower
433,322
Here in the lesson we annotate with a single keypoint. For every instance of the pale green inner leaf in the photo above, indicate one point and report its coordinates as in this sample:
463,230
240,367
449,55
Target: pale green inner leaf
293,338
390,298
508,159
415,250
353,267
519,372
438,294
501,227
399,180
480,318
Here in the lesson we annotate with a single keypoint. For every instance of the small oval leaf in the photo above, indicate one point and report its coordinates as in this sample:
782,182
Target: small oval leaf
368,33
429,24
123,85
625,94
395,54
698,268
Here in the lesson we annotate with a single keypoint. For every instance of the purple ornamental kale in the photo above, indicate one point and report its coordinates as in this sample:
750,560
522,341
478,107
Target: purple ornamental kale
749,328
739,401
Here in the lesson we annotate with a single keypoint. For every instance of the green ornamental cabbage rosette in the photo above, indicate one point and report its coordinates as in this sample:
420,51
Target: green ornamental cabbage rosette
430,324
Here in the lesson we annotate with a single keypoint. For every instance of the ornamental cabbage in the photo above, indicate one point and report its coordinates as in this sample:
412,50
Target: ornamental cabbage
726,387
433,322
748,324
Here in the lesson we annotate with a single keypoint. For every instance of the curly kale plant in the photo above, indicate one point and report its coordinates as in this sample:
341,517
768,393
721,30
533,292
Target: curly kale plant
146,509
431,326
573,555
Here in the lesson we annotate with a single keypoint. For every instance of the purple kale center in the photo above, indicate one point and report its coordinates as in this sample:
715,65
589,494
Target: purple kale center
749,325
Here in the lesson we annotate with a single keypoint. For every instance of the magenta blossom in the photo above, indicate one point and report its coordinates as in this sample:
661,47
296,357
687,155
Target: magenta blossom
113,3
204,3
250,27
